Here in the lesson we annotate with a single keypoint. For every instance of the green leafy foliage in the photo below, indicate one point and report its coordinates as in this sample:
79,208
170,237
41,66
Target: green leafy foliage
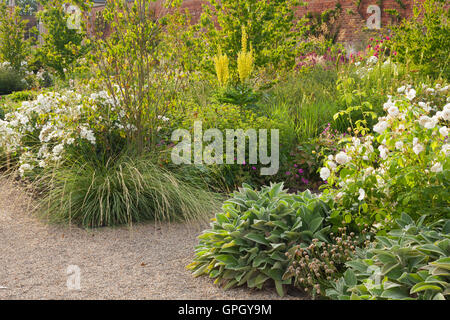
13,46
248,241
136,69
314,267
411,262
422,42
62,45
10,81
401,167
271,26
22,96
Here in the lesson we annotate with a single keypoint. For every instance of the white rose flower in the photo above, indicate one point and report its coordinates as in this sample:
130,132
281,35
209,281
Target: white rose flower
443,131
368,171
399,145
418,148
393,111
380,127
325,173
388,104
446,149
446,114
431,123
332,165
410,94
401,89
362,194
437,167
383,152
342,158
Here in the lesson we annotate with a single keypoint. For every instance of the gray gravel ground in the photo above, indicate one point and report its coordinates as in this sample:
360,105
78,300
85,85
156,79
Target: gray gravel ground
146,261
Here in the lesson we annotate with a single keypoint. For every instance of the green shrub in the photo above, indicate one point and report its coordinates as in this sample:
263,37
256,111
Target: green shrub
62,46
248,241
402,167
120,191
409,263
20,96
422,42
271,26
14,49
10,81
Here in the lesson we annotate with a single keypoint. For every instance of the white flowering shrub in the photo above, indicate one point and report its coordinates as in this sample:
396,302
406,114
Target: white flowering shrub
39,132
403,166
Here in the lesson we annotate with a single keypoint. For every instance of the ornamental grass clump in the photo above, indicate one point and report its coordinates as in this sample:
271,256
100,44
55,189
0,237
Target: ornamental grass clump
248,241
120,191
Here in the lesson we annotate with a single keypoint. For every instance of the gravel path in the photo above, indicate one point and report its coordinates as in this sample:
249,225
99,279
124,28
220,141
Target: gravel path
146,261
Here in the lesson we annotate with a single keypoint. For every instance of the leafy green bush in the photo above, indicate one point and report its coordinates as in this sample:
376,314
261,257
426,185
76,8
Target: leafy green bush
62,45
422,41
402,167
271,26
10,81
409,263
120,191
248,241
20,96
14,49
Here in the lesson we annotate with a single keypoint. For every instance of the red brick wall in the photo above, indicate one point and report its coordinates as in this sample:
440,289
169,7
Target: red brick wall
351,26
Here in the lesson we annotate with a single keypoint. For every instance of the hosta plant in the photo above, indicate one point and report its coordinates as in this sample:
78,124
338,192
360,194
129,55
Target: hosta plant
248,241
411,262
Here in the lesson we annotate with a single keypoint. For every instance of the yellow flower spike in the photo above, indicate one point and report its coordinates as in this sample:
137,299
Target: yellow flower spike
245,59
221,64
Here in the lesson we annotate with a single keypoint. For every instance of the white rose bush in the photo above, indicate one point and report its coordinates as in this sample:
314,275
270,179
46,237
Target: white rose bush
39,132
402,167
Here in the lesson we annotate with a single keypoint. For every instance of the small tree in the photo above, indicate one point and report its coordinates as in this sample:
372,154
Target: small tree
13,46
271,25
62,45
137,68
422,41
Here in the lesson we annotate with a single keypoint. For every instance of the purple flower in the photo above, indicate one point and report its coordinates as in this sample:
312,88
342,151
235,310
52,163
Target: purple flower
300,171
295,166
253,168
305,181
288,173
